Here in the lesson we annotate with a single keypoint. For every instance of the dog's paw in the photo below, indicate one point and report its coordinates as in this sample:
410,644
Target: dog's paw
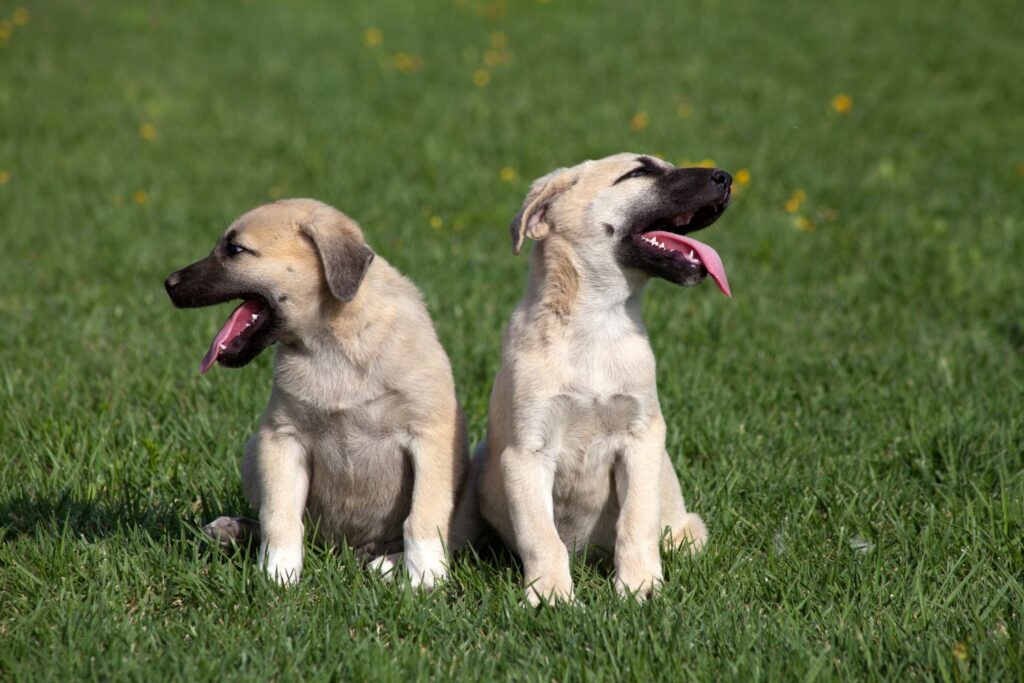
551,589
690,533
425,562
386,565
637,571
231,531
283,563
638,584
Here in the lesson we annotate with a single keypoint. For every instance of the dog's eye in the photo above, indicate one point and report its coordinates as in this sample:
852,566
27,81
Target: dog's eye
636,173
233,249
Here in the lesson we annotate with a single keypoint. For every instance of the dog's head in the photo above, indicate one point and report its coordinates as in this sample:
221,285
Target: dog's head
283,260
631,212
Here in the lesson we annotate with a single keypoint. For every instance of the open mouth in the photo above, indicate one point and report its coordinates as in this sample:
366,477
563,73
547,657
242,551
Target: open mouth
231,345
667,237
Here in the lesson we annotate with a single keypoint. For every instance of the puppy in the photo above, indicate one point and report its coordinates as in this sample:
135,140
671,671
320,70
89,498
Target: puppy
575,450
363,431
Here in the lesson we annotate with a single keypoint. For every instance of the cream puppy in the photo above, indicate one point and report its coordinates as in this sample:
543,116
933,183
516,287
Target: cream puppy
575,452
363,433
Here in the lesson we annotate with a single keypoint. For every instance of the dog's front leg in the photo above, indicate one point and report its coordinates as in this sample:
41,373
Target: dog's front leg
637,481
437,468
277,477
528,480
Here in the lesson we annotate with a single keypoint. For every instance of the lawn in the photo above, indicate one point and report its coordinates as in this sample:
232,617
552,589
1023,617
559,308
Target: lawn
850,424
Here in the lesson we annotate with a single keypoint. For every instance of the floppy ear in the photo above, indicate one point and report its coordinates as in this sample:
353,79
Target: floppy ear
343,253
531,221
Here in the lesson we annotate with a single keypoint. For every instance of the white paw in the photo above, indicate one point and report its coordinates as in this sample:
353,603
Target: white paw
387,565
283,563
551,588
690,534
637,574
425,562
640,585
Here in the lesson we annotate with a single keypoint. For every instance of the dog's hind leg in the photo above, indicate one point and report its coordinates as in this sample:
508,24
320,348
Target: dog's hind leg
228,532
387,565
685,529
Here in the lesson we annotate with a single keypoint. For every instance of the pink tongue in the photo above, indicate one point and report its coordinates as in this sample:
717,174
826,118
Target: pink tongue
708,256
238,321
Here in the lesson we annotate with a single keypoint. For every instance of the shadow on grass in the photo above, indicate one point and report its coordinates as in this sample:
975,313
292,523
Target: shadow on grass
86,519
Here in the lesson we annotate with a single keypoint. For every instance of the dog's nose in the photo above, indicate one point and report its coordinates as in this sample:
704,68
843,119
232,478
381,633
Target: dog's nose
720,177
172,281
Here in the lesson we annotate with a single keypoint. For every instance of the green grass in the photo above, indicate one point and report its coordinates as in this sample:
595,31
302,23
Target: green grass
865,385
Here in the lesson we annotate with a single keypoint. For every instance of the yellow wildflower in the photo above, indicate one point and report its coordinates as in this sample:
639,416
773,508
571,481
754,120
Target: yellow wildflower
496,9
140,197
436,222
508,174
492,58
1020,170
20,16
960,650
794,202
5,177
742,176
803,223
372,37
842,103
499,40
706,163
147,131
403,61
481,77
639,121
6,29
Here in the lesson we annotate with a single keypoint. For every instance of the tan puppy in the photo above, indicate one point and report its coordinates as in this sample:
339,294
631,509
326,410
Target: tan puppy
575,452
363,431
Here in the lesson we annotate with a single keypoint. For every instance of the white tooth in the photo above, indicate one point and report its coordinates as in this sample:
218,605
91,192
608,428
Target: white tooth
222,347
255,315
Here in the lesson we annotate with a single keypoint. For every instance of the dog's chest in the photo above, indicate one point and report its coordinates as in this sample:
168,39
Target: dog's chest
604,397
599,359
596,388
327,387
573,420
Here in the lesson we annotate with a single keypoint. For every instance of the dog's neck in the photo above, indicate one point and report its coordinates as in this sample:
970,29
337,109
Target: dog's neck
341,332
565,289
